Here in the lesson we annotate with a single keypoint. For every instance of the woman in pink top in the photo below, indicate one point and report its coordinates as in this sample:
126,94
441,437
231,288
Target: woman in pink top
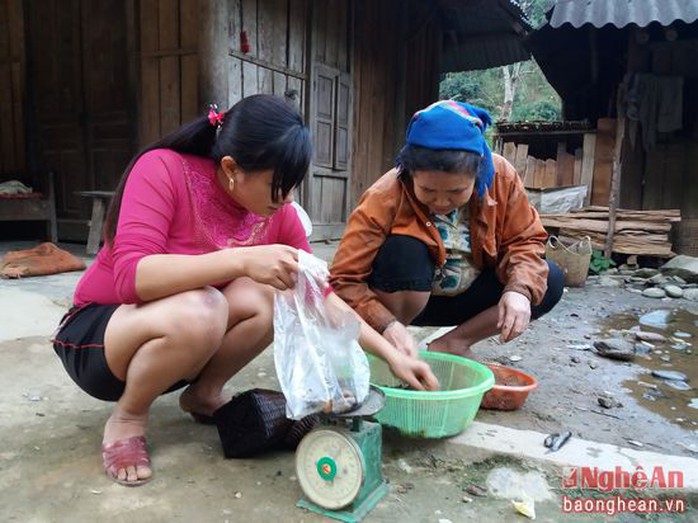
198,236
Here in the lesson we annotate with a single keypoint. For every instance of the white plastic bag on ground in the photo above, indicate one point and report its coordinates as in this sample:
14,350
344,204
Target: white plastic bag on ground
319,363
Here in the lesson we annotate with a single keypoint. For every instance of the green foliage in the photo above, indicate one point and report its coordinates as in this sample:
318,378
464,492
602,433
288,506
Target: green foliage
546,110
599,263
534,98
481,88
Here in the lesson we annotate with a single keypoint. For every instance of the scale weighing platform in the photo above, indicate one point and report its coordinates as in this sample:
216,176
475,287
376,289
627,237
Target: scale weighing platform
338,465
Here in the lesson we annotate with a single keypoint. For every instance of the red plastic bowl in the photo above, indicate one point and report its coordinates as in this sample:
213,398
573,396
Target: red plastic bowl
511,388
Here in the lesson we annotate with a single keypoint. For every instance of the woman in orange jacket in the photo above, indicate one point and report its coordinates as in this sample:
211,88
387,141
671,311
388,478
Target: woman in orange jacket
446,238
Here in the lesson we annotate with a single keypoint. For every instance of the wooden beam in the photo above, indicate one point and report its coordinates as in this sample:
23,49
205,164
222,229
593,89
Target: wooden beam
587,175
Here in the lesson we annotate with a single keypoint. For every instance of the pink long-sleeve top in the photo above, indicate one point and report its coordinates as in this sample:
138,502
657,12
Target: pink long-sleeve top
173,204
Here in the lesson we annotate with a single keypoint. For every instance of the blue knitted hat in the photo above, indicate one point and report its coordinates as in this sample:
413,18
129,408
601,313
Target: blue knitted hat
451,125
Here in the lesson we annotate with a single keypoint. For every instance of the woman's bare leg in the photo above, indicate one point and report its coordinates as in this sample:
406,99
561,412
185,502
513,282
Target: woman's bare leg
405,305
250,331
151,347
459,340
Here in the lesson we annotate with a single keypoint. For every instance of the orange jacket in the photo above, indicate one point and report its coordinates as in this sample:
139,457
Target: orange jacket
506,233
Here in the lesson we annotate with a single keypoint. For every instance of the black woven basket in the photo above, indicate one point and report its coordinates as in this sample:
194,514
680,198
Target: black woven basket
255,421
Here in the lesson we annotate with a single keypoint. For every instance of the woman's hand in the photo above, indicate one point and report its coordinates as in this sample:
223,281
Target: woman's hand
275,265
415,372
514,315
397,334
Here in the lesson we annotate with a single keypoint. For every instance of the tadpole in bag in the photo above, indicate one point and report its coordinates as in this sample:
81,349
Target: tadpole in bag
319,363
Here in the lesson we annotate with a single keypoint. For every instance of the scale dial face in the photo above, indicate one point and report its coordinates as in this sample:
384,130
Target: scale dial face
330,468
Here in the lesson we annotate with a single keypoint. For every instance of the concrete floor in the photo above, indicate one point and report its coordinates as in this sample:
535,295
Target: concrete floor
50,468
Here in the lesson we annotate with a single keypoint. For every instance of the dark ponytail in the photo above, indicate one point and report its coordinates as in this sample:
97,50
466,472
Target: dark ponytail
260,132
264,132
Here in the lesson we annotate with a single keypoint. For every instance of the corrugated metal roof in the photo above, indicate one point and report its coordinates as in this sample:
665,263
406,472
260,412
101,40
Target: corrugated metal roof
622,12
479,34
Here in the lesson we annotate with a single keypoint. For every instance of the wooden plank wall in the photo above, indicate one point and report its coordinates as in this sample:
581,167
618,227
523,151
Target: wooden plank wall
168,62
377,67
12,87
665,177
603,161
56,105
676,153
395,73
109,92
420,57
275,63
328,186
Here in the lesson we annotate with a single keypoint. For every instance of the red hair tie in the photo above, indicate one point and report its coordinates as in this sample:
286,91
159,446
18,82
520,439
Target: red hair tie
214,117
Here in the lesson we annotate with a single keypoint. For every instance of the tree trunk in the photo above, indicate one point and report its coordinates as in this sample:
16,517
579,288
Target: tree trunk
511,75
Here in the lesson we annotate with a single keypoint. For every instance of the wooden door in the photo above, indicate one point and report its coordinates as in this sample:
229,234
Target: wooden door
12,87
327,190
80,100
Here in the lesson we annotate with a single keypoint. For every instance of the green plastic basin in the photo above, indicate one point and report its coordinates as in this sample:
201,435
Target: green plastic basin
433,414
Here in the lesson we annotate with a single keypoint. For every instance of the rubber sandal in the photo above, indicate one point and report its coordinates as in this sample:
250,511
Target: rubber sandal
124,453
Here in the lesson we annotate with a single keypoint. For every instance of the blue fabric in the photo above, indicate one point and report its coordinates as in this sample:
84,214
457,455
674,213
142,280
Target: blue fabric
451,125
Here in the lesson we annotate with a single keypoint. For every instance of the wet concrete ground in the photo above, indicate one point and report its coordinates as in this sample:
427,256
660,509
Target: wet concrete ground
571,380
51,431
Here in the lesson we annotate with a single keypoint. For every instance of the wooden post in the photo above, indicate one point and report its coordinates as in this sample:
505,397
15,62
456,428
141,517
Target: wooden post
213,53
617,156
588,155
615,185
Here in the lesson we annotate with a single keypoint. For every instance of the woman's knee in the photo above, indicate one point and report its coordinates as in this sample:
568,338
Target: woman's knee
248,299
556,286
199,316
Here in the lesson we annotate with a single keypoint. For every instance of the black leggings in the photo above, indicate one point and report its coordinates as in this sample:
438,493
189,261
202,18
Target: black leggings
404,263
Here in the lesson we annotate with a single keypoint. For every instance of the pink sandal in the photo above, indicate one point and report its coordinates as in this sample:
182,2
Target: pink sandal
124,453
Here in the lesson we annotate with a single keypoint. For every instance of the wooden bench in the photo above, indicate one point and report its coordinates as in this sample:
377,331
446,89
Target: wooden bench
39,208
100,201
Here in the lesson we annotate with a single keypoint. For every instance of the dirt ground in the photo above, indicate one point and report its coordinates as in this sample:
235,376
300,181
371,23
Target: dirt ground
50,431
50,470
567,396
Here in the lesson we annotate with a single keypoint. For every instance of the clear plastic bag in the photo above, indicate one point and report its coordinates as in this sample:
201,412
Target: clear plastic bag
319,363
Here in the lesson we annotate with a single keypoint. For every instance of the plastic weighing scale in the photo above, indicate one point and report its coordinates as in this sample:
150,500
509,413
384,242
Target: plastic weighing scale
338,464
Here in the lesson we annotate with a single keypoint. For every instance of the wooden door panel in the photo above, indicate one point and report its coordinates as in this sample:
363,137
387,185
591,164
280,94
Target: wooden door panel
341,138
327,189
57,102
108,91
324,120
81,99
12,88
